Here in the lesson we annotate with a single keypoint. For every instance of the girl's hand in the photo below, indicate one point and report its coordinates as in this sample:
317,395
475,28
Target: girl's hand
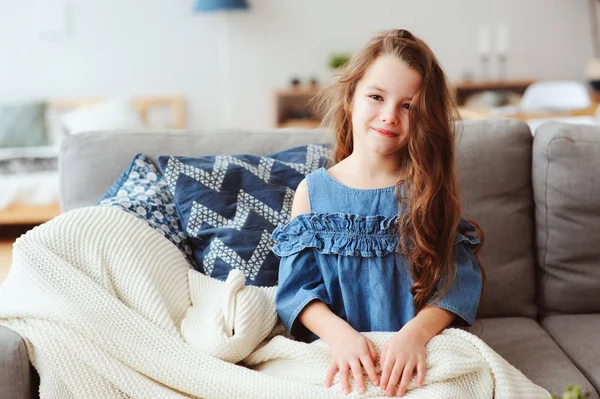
400,356
352,351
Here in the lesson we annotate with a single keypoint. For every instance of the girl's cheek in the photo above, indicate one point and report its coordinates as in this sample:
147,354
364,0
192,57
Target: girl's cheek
367,109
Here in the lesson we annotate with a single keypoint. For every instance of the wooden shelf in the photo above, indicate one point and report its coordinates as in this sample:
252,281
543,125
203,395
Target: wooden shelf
291,107
462,90
290,104
493,84
26,214
300,91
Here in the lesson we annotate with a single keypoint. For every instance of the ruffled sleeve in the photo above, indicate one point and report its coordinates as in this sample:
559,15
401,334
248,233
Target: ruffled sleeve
463,296
338,233
300,283
299,241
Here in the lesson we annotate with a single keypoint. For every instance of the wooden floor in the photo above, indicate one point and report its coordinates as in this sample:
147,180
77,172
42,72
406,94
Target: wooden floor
8,235
5,257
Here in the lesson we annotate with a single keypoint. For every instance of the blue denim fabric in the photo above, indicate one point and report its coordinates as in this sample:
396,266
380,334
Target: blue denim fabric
345,254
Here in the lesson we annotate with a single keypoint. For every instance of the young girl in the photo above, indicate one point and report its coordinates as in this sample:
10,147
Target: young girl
376,242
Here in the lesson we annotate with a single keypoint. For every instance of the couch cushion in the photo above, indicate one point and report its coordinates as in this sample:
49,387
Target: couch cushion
525,345
566,183
494,164
577,335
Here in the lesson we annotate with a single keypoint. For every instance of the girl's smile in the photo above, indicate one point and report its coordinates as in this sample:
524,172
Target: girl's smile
386,133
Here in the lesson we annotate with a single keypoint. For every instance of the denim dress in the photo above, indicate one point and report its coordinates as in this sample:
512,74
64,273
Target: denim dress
344,253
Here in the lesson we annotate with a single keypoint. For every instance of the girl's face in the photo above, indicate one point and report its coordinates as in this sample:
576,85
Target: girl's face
380,106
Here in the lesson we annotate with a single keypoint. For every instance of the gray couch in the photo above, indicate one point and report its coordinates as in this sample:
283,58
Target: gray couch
538,201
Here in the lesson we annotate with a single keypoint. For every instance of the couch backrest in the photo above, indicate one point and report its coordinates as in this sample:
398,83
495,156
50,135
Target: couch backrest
494,165
493,158
566,183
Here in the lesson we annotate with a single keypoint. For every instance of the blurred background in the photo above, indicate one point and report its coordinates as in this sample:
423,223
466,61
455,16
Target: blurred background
70,66
57,49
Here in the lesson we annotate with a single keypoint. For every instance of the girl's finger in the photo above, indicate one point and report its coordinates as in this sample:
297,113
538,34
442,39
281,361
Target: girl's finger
344,379
386,372
407,374
367,363
382,361
357,372
395,377
333,368
420,373
372,350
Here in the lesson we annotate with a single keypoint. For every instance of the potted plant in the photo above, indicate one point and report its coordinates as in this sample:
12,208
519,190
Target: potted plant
337,61
572,391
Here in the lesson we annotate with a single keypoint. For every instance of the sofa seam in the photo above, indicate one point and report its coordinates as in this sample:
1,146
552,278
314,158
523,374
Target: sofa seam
547,231
545,276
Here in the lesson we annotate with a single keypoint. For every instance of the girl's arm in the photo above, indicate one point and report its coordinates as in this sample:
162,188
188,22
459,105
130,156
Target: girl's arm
316,316
429,322
319,319
350,350
405,351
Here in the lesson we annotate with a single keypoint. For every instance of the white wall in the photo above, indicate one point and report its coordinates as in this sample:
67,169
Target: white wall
145,47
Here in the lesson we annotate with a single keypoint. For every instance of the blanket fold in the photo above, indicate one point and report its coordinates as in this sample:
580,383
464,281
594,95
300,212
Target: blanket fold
108,307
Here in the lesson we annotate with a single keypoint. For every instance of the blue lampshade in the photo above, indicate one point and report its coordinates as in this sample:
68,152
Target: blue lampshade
215,5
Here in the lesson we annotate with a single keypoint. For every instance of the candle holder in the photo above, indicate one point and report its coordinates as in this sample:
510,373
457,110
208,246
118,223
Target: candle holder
502,59
484,60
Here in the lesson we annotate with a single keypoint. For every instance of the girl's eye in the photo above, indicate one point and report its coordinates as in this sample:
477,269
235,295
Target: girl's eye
406,106
376,97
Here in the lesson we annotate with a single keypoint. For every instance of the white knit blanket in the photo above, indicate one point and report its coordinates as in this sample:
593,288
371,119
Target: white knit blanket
108,308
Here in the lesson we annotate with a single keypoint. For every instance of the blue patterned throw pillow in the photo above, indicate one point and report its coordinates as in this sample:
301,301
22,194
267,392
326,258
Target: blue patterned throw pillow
141,190
230,204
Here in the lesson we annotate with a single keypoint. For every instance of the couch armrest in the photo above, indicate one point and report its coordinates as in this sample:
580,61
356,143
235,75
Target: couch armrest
15,375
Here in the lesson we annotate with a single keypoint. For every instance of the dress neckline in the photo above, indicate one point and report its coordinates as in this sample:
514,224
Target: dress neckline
339,183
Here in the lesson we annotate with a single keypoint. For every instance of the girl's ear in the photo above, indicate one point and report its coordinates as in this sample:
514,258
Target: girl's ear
348,102
347,106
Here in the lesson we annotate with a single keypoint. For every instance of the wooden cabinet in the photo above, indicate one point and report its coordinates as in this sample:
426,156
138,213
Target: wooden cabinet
462,90
292,107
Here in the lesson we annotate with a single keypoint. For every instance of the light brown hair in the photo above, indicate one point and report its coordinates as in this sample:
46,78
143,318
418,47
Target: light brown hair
429,225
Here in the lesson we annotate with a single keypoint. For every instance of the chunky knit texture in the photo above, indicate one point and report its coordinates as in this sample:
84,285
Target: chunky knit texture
109,308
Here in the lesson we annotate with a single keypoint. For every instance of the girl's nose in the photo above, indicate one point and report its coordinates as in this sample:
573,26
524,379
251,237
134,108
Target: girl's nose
390,117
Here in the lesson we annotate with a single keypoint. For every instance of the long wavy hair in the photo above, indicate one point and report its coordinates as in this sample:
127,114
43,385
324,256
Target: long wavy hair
430,210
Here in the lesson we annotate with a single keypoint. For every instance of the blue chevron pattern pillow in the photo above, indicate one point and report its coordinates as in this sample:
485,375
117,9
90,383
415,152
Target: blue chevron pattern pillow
230,204
142,191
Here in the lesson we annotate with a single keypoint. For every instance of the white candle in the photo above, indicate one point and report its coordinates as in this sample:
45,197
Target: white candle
484,40
502,39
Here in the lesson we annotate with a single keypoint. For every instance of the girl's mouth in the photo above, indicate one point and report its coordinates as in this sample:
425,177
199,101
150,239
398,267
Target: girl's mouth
386,133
